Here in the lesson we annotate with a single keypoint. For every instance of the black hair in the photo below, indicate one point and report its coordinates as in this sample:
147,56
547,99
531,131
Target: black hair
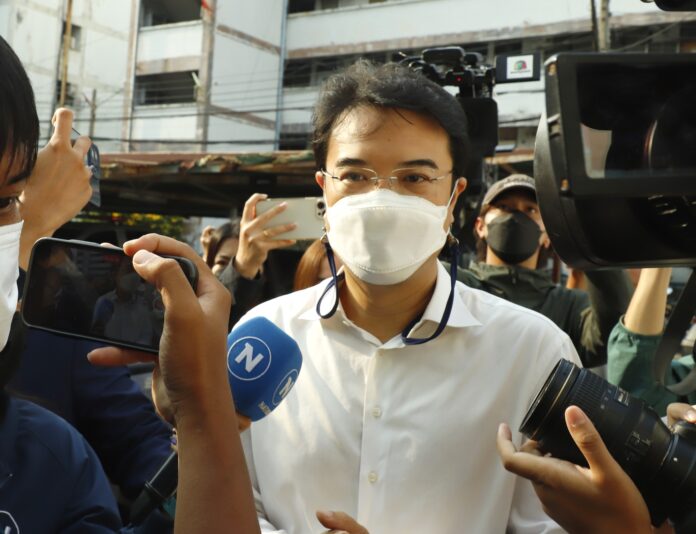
225,231
19,121
389,85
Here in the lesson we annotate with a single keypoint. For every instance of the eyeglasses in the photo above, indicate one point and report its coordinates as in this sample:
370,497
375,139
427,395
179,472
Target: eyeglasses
409,180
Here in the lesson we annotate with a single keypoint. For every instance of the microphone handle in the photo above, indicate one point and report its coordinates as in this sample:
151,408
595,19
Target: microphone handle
157,490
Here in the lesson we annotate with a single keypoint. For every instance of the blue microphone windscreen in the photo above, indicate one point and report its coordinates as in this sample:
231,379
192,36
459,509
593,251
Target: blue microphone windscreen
263,364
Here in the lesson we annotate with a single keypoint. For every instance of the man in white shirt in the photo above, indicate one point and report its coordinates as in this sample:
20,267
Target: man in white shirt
407,373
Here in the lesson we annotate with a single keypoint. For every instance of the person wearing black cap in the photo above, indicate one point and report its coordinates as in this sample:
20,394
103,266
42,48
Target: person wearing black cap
512,244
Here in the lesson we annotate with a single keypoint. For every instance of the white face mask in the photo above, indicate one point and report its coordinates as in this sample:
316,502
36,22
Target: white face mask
9,271
384,237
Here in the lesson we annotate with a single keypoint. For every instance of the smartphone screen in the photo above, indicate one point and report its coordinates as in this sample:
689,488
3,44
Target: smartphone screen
89,291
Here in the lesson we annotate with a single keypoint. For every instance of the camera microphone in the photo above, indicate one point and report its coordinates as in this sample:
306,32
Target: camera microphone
263,364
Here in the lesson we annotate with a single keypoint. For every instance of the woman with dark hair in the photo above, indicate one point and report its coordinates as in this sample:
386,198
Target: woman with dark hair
222,246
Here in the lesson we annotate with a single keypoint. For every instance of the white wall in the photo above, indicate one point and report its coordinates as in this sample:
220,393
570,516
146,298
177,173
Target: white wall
245,73
260,18
243,77
34,28
414,19
224,129
165,122
170,41
299,97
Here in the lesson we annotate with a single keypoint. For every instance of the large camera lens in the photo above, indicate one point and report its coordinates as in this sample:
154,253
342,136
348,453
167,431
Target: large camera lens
660,463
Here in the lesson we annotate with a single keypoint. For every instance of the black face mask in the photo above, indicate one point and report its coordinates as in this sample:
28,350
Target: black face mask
513,237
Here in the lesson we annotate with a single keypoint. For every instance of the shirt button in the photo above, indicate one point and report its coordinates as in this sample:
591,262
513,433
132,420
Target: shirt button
376,412
372,477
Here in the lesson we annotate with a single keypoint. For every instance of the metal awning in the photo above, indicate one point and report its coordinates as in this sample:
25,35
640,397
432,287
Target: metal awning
201,184
214,184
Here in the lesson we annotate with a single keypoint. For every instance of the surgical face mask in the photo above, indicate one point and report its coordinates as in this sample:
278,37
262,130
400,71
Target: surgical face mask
513,237
9,271
383,237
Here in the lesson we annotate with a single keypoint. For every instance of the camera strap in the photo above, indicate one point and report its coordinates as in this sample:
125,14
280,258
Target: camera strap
670,343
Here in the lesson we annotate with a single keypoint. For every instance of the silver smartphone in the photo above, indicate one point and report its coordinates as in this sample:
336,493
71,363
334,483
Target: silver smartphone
307,213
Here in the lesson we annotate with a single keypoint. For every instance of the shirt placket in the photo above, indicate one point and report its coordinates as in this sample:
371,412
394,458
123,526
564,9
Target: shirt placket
371,483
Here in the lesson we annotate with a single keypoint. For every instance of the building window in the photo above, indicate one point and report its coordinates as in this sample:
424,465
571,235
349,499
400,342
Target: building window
298,73
158,12
571,42
75,36
169,88
508,47
301,6
294,141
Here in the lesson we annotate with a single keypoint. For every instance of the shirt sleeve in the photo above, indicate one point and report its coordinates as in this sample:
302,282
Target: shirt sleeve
264,523
526,513
119,421
629,366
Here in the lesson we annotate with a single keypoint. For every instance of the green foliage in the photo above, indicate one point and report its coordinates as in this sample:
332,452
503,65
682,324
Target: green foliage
169,225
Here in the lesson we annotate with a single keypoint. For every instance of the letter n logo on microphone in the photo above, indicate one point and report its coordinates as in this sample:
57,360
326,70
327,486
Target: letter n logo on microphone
249,358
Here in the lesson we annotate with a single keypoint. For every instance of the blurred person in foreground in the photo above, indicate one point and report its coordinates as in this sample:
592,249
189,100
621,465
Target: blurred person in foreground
50,479
512,247
104,404
406,371
599,499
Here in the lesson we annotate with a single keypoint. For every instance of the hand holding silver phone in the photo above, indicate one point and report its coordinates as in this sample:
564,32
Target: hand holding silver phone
306,213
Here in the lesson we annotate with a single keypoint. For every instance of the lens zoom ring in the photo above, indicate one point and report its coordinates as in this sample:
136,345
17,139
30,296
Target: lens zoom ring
588,393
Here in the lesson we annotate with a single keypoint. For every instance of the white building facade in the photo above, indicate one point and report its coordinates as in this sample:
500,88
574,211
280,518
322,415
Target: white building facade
182,75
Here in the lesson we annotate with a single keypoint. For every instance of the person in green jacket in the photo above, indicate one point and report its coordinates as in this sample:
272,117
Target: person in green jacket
634,340
511,238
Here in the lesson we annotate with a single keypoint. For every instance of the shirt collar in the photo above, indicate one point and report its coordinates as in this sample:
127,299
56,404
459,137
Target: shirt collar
459,318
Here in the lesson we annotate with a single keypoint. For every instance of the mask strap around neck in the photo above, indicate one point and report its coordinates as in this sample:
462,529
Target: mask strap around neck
333,284
454,255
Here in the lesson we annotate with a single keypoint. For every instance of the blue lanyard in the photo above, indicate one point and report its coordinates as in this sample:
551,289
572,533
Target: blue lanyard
453,245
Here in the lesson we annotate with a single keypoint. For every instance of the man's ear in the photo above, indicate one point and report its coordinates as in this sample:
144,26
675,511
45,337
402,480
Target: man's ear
320,178
480,227
459,188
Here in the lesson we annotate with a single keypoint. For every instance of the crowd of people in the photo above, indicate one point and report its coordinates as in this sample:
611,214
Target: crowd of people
410,363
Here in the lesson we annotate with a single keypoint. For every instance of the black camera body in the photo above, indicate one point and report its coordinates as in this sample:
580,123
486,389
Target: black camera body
615,159
455,67
661,462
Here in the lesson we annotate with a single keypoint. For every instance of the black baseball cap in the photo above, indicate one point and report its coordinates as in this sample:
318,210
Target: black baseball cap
514,181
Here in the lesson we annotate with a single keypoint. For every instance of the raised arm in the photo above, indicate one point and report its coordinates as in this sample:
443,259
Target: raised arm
646,311
635,338
191,390
58,187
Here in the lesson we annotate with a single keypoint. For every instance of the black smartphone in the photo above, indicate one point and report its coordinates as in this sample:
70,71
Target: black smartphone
90,291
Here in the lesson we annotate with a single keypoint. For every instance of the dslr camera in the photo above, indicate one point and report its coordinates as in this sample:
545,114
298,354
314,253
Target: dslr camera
615,166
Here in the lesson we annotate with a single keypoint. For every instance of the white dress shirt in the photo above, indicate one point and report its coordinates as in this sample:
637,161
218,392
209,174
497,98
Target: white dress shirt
402,438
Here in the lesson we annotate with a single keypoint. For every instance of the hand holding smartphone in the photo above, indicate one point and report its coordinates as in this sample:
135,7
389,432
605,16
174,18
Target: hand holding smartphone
306,213
90,291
